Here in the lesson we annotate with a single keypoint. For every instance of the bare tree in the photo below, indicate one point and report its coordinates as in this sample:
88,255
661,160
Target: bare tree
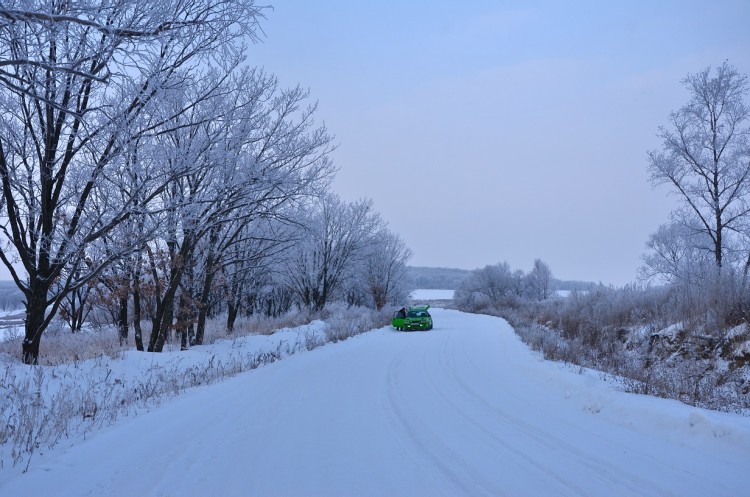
540,280
249,270
487,286
384,268
705,157
333,242
79,83
677,255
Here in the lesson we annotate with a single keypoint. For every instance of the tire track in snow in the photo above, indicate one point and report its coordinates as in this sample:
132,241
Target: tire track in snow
472,403
592,458
592,466
427,447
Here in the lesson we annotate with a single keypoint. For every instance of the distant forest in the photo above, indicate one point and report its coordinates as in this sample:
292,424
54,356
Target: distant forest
439,278
442,278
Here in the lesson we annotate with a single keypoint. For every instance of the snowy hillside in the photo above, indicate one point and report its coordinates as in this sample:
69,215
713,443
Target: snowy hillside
465,409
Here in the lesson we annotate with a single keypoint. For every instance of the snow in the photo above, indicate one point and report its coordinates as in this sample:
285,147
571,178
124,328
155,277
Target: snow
431,294
464,409
12,330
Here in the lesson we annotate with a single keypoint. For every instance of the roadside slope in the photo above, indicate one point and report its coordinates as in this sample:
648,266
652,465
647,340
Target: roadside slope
464,409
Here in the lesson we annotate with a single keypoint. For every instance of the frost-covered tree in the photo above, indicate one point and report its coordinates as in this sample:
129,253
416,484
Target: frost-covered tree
332,242
251,271
487,286
80,82
705,157
379,276
539,281
383,270
677,255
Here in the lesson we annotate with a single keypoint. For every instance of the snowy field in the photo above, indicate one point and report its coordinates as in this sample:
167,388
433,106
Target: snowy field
463,410
11,323
430,294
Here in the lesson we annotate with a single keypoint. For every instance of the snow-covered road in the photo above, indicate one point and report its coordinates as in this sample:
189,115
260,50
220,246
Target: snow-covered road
465,409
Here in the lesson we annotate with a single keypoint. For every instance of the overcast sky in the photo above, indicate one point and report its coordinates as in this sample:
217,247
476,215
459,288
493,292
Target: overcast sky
489,131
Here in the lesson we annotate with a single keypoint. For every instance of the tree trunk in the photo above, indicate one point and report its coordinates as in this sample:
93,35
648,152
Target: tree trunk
232,310
204,305
138,332
379,295
81,315
122,319
73,312
184,320
36,307
137,306
162,320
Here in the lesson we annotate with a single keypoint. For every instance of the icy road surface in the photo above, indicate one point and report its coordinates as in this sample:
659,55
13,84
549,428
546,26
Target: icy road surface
463,410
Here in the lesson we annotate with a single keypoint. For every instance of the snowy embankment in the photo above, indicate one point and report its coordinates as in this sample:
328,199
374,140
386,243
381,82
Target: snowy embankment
465,409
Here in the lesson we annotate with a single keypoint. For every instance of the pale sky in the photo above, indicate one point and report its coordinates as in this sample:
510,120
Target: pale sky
489,131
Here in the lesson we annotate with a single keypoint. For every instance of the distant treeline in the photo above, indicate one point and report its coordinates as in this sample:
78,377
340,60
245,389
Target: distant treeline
571,285
443,278
439,278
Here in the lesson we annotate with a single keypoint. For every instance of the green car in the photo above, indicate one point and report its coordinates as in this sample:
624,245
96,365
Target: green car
415,318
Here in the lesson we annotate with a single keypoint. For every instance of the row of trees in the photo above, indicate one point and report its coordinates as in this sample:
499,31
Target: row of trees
143,163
